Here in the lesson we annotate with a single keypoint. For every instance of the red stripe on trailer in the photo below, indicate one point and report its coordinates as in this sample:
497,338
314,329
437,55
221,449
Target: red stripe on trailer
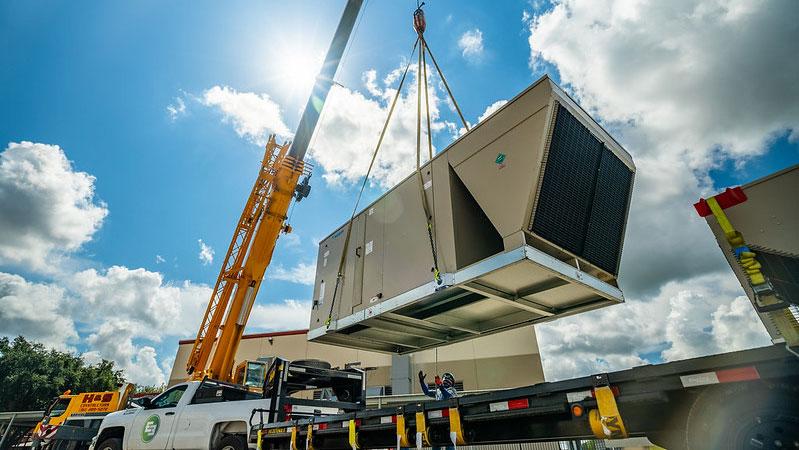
738,374
519,403
726,199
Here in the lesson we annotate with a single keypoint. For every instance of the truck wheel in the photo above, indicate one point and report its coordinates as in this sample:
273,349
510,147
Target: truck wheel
744,416
110,444
232,442
313,363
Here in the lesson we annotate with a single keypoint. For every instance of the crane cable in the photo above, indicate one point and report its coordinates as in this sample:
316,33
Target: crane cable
342,261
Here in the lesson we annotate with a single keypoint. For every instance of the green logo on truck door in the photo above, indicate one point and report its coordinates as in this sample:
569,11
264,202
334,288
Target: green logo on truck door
150,428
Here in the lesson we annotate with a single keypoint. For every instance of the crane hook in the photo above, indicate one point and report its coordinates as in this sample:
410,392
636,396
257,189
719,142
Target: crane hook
419,23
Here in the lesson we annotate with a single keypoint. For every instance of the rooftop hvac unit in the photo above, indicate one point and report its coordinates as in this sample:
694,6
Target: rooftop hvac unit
529,209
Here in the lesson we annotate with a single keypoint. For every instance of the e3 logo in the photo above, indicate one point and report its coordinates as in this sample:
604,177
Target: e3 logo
150,428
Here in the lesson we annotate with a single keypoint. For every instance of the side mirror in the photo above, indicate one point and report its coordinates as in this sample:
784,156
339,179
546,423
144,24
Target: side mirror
146,403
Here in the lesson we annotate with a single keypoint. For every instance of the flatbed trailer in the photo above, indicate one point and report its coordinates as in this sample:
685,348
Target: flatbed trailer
737,400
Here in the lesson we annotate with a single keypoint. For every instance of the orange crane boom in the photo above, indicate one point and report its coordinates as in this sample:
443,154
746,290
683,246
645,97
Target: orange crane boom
260,225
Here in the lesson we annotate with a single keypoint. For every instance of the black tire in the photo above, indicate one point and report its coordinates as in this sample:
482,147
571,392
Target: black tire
312,363
233,442
741,416
110,444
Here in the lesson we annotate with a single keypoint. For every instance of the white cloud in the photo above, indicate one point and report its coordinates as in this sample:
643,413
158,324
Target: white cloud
254,116
47,209
159,259
683,86
471,45
302,273
689,318
288,315
491,109
206,254
351,124
176,109
36,311
125,308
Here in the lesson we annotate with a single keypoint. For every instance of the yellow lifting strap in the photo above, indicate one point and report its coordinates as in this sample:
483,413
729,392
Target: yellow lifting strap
259,440
402,432
455,427
353,435
294,438
421,430
606,421
309,438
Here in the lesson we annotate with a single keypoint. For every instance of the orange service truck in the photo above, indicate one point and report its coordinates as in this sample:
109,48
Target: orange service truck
72,420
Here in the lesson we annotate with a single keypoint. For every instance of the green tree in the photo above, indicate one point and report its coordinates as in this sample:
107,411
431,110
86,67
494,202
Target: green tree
31,375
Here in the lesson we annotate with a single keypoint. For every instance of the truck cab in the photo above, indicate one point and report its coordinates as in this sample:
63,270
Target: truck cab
210,414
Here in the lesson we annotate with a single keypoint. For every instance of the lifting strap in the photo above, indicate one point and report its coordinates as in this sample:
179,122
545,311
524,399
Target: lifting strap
343,260
420,25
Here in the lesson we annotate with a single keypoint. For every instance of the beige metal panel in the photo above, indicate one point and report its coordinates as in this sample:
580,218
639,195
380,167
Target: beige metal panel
770,218
505,190
407,257
326,269
530,102
352,283
445,224
374,245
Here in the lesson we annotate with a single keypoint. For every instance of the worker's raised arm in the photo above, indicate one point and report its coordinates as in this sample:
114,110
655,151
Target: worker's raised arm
425,390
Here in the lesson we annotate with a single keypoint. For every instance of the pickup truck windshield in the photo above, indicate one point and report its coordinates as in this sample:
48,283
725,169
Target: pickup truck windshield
170,398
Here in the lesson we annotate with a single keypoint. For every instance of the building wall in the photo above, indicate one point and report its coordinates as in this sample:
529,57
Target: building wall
507,359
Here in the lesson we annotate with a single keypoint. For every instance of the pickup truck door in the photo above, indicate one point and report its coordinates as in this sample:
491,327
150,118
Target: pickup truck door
152,426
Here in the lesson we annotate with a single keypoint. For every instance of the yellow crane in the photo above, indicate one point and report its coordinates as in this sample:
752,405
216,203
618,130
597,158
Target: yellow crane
260,225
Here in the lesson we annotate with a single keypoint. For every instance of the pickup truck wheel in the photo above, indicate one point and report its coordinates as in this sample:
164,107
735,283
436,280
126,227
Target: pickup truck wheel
110,444
232,442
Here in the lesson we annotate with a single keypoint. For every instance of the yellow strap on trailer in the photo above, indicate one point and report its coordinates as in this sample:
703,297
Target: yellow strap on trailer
606,422
259,440
455,427
294,438
736,240
353,435
309,438
402,432
421,430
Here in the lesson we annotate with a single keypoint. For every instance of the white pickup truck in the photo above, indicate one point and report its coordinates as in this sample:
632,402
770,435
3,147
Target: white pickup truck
213,415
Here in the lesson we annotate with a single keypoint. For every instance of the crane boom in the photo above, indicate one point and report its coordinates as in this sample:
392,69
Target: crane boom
259,227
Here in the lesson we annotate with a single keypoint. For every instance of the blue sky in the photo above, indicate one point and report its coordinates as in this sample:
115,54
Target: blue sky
96,80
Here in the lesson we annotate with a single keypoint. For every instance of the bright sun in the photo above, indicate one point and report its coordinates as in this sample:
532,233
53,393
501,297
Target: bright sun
298,69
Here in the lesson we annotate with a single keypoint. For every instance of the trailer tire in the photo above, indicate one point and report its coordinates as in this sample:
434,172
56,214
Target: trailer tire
110,444
739,415
233,442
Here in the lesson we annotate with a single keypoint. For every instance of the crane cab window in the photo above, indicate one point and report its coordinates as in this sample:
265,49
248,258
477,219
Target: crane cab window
169,399
59,407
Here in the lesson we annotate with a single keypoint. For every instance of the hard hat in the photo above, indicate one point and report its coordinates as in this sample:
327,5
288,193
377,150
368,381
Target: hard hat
448,380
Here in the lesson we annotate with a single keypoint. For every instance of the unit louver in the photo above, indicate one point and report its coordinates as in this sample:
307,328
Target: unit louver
584,194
